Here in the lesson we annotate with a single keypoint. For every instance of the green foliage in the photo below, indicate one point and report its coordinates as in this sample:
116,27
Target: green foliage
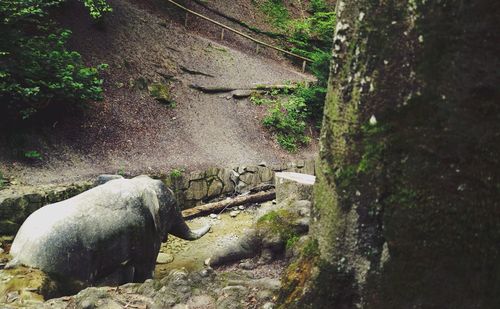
33,154
176,173
280,222
36,69
3,181
269,217
311,248
310,37
260,100
277,12
291,241
287,119
121,171
97,7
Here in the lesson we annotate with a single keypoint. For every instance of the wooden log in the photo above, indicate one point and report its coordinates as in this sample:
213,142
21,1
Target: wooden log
195,72
219,89
239,200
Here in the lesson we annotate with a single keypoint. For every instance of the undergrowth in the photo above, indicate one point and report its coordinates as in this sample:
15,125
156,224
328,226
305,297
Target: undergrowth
286,115
37,70
310,36
3,181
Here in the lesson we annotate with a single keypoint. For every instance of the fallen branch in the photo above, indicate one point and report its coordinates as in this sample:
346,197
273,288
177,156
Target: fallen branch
239,200
195,72
220,89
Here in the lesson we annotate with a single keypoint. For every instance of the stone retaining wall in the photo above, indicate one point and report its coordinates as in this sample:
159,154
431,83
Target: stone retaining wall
195,188
199,187
17,203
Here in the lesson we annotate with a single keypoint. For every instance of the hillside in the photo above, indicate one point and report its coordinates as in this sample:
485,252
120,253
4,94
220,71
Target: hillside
130,132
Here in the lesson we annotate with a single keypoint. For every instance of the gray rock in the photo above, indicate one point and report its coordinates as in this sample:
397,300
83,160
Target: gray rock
234,213
264,295
242,248
298,186
240,94
215,188
102,179
250,178
201,302
268,305
248,265
266,174
164,258
198,189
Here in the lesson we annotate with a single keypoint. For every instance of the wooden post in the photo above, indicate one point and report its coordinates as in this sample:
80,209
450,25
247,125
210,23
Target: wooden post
186,20
222,35
303,66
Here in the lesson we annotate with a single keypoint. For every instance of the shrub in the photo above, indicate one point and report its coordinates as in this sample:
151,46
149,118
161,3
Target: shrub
36,68
33,155
176,173
310,37
2,180
287,119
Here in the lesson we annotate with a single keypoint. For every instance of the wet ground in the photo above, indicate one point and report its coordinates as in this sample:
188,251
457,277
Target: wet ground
183,261
192,254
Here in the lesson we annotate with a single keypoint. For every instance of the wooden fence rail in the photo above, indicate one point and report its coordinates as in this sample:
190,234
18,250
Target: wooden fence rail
188,11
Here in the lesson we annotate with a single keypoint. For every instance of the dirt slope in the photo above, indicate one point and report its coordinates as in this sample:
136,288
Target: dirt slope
131,132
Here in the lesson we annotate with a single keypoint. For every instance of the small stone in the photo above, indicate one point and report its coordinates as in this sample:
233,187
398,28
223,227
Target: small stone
164,258
264,295
263,163
12,296
234,213
240,94
241,207
247,265
205,272
213,216
268,305
1,251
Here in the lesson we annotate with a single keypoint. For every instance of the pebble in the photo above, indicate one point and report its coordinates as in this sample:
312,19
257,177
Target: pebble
205,272
213,216
164,258
247,265
268,305
234,213
241,207
12,296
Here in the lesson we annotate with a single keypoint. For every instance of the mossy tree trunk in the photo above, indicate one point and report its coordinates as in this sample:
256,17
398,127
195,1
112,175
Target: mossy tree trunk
407,204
